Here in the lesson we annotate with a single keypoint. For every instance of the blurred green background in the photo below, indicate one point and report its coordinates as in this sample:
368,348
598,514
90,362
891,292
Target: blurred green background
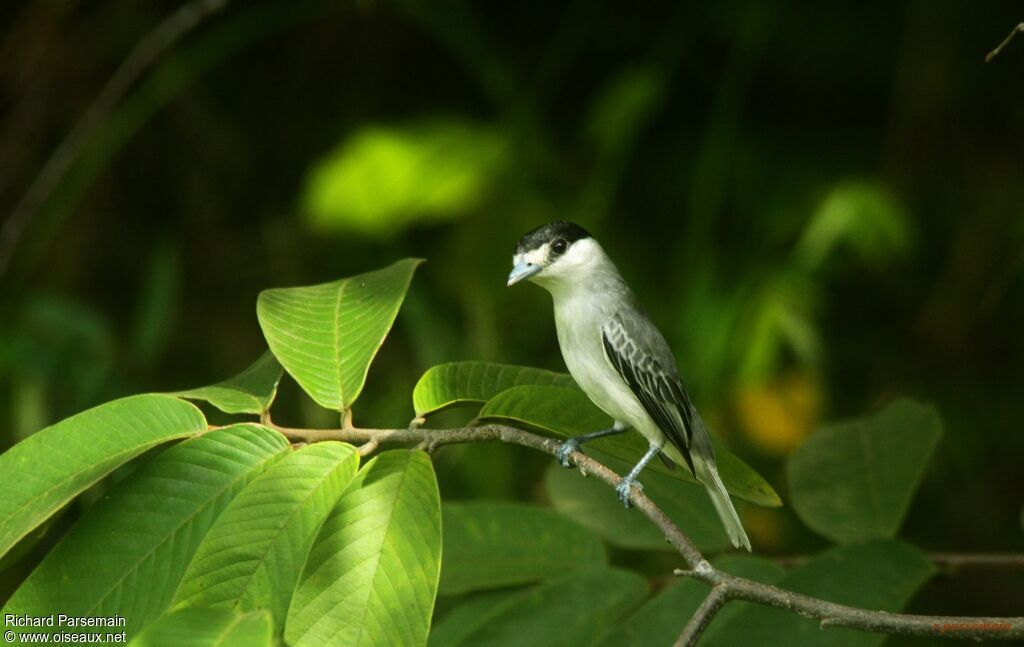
820,204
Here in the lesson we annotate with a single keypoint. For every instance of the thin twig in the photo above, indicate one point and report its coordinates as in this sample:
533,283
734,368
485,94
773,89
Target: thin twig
170,30
949,562
728,587
703,616
1006,41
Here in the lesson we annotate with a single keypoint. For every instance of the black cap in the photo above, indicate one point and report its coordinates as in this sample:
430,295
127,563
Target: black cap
544,234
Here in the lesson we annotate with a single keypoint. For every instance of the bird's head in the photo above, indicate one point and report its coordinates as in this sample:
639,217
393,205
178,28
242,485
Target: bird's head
558,252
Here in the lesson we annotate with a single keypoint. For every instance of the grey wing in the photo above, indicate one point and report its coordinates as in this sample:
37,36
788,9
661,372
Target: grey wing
642,357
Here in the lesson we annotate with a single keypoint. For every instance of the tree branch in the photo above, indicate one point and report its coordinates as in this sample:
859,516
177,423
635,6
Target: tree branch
1006,41
948,562
703,616
725,587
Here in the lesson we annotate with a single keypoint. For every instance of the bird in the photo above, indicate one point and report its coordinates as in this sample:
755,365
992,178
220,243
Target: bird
620,360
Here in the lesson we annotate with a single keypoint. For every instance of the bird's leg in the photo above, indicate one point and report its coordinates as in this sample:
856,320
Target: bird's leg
623,488
573,444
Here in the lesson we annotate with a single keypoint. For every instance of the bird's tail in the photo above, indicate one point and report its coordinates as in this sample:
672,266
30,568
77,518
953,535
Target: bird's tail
708,474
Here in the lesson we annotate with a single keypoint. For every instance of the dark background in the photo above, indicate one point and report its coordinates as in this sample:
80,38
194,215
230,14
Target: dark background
820,203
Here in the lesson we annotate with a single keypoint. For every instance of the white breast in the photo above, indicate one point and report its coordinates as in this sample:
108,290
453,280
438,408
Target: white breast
578,320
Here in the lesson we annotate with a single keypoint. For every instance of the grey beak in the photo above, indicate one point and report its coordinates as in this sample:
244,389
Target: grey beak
522,271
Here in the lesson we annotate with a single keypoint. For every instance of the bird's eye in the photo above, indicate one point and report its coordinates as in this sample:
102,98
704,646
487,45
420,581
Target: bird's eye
559,246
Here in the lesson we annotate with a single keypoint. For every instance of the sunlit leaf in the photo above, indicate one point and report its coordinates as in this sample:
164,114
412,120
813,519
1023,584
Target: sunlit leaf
327,335
572,610
45,471
660,619
372,574
198,627
24,548
252,556
381,179
128,553
881,575
592,504
568,412
487,545
855,480
251,391
862,217
455,383
779,324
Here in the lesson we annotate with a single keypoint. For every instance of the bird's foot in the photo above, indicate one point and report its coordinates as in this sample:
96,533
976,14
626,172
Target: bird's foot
624,488
569,446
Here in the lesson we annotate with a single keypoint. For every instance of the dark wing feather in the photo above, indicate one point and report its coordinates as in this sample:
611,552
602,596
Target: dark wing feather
640,355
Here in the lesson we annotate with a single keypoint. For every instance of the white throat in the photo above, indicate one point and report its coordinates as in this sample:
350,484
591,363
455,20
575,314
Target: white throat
584,269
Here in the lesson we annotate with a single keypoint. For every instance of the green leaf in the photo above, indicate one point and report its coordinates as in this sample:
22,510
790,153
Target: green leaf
660,620
854,480
474,611
384,178
128,553
877,575
198,627
456,383
568,412
251,391
861,216
371,576
778,326
43,472
253,555
326,335
564,612
592,504
487,545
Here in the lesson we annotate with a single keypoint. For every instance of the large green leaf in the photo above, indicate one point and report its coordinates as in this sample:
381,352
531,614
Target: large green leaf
877,575
198,627
854,481
487,545
251,391
384,178
128,553
472,612
455,383
568,412
254,553
372,574
565,612
592,504
660,620
326,335
45,471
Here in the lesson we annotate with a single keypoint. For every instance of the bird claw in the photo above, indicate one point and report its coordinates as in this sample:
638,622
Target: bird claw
623,490
562,454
